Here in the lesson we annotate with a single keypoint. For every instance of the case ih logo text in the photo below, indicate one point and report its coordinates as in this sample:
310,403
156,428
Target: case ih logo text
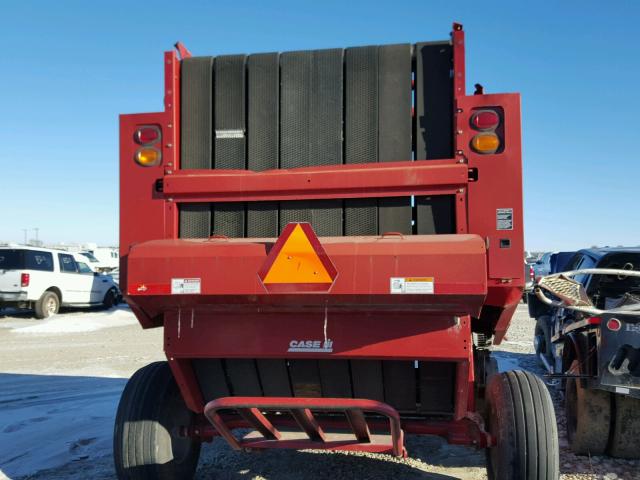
316,346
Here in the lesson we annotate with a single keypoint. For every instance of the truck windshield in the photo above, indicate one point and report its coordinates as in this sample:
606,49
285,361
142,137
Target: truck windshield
11,260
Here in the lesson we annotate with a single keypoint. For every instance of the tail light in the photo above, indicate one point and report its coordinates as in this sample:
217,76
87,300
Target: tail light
485,120
532,273
614,324
485,143
488,123
148,157
147,135
24,280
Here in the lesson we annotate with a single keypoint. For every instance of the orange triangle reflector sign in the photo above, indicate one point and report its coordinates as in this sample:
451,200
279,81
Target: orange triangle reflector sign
297,263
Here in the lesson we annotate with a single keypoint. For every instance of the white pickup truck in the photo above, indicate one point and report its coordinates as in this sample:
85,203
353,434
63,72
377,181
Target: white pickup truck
46,279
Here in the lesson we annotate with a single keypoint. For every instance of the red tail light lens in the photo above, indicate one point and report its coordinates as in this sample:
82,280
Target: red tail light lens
24,280
147,135
614,324
532,273
485,120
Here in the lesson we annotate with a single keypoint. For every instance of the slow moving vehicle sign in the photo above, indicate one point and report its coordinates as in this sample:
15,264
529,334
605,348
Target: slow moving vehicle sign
297,263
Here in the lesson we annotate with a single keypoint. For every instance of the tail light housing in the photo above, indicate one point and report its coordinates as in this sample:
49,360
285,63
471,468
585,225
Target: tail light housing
488,123
148,137
25,278
532,273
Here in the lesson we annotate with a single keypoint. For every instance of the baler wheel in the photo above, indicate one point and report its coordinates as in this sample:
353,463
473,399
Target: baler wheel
625,435
146,444
522,422
588,413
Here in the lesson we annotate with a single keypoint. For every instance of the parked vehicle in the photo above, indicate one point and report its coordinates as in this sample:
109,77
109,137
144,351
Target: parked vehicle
104,258
542,266
588,335
46,279
529,276
115,275
322,234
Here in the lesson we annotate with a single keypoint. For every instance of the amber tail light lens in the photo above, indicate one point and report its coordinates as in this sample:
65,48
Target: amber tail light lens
148,157
485,143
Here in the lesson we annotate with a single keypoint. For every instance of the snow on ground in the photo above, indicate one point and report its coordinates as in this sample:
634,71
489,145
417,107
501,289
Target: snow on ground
81,322
47,421
60,384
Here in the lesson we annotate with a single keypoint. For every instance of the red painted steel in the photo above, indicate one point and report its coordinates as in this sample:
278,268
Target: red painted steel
467,431
478,272
392,179
192,333
300,410
230,267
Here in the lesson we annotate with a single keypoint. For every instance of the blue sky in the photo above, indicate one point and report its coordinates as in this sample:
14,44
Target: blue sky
69,68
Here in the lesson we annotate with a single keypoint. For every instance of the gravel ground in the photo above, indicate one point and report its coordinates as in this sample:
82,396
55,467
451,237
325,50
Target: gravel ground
95,356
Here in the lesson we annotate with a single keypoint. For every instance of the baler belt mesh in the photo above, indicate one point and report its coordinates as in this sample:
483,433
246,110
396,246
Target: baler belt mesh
312,108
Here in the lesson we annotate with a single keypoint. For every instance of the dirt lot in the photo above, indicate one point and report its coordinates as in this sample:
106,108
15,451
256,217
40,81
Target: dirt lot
60,381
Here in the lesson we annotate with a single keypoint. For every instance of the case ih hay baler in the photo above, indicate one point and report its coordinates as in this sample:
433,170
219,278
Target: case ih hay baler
322,234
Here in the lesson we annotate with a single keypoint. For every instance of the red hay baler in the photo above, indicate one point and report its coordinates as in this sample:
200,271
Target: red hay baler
331,240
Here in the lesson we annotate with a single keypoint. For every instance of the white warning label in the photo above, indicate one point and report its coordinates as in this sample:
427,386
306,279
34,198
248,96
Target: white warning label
185,286
229,133
412,285
504,219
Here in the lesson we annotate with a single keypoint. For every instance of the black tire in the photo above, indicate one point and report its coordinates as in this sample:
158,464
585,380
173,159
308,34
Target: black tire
588,414
542,339
625,435
110,299
47,305
521,420
145,441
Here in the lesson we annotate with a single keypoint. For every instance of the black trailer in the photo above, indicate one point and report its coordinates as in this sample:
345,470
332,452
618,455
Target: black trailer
588,337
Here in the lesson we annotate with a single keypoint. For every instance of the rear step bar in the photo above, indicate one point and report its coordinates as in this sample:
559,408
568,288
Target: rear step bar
251,410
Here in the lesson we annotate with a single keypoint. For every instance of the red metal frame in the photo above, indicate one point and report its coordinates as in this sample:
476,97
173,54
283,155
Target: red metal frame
425,177
252,408
478,282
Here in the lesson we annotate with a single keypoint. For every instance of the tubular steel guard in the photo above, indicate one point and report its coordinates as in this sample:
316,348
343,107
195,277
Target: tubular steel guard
251,408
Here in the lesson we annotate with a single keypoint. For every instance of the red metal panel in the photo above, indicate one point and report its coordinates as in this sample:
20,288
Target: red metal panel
457,39
389,179
400,335
187,383
499,186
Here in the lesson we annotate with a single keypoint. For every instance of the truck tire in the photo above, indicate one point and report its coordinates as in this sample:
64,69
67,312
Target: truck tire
145,441
625,435
48,304
522,421
588,413
542,339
